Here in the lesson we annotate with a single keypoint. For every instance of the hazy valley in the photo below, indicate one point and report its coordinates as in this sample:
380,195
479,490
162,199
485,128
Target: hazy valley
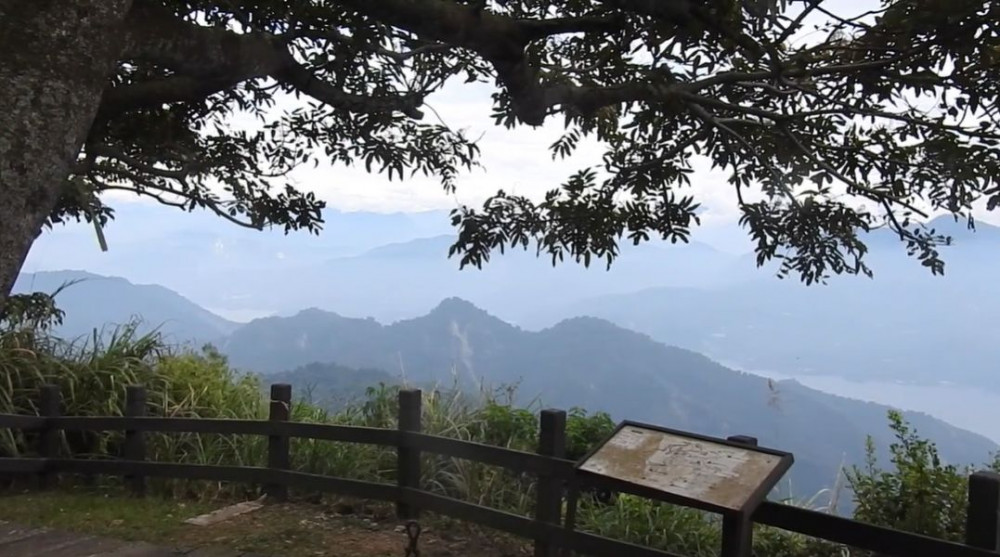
903,325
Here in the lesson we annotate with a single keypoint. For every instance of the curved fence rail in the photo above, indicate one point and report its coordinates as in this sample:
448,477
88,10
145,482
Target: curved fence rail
547,528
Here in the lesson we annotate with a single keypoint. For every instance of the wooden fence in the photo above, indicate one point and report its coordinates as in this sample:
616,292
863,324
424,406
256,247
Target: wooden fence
547,528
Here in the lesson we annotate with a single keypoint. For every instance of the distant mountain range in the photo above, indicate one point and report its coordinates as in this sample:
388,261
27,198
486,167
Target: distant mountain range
594,364
905,325
235,272
355,266
404,280
584,361
97,302
866,331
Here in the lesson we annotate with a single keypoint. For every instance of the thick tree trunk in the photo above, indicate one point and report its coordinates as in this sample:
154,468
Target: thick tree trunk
55,60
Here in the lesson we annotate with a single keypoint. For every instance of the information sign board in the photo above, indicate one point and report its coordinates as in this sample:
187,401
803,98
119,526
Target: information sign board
701,471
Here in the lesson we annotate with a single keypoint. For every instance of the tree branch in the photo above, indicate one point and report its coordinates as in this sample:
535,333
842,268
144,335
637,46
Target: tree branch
103,150
501,41
298,76
797,22
686,14
710,119
147,185
846,108
208,60
676,150
868,192
334,35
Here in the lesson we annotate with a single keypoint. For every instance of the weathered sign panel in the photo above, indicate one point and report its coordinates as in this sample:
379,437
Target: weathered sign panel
693,468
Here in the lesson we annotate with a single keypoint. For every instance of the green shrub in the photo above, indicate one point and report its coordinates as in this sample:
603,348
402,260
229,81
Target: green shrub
920,494
584,431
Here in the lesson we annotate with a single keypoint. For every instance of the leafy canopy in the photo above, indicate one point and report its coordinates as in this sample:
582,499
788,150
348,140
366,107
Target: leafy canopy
828,124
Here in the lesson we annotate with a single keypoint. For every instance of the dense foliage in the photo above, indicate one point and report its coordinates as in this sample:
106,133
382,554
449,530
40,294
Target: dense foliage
827,121
918,493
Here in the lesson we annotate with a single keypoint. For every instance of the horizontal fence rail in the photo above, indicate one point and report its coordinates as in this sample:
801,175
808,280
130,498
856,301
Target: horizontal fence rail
860,534
548,528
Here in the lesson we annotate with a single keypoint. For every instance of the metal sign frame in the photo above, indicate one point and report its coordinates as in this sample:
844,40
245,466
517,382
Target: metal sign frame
754,498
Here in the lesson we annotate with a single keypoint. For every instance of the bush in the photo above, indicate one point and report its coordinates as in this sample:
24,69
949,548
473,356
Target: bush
920,494
584,432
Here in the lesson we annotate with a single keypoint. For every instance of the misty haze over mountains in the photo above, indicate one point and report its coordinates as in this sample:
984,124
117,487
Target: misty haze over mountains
904,325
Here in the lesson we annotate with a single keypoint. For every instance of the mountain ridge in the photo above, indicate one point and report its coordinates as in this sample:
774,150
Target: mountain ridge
594,364
91,299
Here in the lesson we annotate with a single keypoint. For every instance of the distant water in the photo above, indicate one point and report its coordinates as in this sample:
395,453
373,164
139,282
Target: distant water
965,407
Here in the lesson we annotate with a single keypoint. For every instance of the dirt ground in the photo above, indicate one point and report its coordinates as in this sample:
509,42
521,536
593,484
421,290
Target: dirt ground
345,530
303,528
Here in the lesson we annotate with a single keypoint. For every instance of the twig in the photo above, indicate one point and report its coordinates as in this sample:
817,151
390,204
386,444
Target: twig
872,194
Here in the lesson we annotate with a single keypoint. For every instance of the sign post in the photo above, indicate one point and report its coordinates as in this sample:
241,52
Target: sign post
731,477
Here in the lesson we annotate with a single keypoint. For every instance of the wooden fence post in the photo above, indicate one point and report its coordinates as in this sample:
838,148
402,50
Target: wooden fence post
548,505
982,529
135,440
737,530
279,446
48,439
407,458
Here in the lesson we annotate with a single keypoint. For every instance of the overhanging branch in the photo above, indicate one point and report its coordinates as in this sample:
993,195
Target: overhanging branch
148,188
334,35
207,60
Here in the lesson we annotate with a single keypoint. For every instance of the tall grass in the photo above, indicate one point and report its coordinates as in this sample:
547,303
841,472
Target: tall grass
93,374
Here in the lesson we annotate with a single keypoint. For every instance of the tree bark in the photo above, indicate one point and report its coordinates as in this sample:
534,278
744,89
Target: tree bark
57,59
